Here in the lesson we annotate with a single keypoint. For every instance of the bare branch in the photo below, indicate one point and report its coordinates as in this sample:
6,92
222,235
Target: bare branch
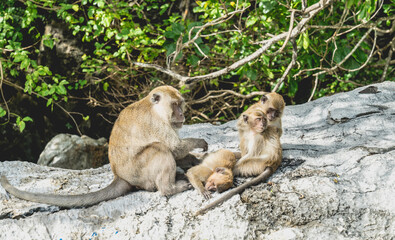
222,93
315,87
290,66
291,24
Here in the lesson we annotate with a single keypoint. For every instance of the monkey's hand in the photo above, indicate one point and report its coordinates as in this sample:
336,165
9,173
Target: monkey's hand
206,194
200,143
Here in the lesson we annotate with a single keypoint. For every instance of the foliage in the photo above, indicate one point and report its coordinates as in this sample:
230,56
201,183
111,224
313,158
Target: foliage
111,35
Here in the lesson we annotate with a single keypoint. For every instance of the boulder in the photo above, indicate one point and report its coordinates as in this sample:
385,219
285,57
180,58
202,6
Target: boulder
74,152
336,182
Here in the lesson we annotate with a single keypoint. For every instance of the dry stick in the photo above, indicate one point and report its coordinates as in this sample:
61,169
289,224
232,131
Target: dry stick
291,24
223,93
311,11
290,66
315,87
268,171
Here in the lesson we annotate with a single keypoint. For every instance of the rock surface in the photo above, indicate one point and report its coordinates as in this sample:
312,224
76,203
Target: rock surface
336,182
74,152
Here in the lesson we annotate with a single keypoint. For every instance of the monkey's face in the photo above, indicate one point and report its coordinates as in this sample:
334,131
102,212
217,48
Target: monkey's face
177,117
169,105
256,120
272,114
273,105
220,180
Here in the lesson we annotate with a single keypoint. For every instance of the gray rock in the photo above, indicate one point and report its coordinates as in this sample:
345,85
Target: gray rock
336,182
74,152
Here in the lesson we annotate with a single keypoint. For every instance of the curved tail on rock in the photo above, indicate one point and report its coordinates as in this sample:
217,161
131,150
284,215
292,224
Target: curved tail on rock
117,188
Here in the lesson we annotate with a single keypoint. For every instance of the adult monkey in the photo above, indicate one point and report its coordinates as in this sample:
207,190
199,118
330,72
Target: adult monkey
143,147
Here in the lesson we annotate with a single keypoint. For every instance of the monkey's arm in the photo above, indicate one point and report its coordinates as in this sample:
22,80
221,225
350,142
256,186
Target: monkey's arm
268,171
188,144
196,176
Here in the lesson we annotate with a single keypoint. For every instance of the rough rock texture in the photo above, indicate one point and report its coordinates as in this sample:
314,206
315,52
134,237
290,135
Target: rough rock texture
74,152
336,182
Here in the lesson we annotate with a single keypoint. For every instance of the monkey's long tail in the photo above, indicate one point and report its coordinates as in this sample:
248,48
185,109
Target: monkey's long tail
268,171
117,188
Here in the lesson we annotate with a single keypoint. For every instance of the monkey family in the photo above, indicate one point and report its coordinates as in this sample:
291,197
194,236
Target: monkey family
145,148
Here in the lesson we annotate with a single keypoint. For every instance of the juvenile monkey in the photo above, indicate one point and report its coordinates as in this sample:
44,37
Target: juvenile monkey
143,148
272,104
215,171
261,152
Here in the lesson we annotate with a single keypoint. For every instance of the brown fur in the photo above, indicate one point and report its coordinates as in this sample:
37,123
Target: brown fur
215,171
143,149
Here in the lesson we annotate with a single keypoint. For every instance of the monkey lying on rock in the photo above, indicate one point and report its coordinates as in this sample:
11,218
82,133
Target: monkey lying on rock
215,171
143,149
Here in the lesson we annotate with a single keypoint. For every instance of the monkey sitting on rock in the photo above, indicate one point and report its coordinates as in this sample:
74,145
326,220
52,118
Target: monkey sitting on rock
143,149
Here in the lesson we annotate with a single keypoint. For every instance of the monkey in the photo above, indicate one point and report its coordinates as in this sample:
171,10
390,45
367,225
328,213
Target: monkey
272,104
260,146
261,152
215,171
144,146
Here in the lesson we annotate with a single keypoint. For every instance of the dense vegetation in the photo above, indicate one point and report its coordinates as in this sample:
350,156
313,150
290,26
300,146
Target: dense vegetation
71,66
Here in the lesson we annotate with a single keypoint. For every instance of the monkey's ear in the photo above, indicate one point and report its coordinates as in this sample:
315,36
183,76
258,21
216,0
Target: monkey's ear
155,98
220,170
263,99
245,118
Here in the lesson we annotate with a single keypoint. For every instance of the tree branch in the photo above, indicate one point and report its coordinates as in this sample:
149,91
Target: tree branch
290,66
310,12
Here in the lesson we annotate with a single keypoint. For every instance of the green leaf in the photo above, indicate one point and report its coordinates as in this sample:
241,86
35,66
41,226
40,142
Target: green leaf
105,86
251,74
251,21
49,102
27,119
2,112
86,118
48,43
306,40
193,60
21,126
25,63
75,7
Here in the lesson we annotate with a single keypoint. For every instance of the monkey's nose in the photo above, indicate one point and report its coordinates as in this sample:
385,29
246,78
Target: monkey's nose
212,188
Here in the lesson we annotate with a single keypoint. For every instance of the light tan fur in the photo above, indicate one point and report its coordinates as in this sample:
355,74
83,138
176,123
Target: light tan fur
260,147
215,171
143,149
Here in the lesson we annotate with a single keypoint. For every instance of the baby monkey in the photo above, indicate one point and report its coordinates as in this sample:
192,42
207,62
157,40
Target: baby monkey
215,171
